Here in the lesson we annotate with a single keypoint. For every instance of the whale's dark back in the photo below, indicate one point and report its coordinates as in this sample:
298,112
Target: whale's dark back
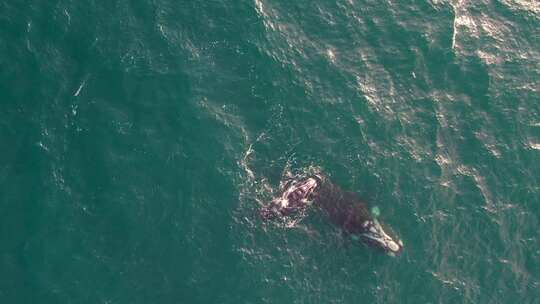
343,208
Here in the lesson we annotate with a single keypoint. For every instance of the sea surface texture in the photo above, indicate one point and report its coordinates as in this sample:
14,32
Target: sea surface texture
140,138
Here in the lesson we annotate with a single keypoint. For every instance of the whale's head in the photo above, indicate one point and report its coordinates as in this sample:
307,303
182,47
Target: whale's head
375,235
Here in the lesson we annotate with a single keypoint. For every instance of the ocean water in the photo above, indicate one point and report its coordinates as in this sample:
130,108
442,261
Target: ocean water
139,138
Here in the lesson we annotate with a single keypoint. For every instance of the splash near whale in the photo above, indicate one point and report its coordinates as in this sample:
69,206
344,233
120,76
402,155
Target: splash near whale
344,209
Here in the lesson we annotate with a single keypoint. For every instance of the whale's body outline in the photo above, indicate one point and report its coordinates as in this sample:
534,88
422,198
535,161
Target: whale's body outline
343,208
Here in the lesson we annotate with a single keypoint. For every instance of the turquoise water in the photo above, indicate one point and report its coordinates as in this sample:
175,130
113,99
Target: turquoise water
140,138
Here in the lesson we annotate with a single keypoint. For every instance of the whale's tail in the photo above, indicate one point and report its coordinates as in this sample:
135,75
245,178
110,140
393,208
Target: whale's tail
296,196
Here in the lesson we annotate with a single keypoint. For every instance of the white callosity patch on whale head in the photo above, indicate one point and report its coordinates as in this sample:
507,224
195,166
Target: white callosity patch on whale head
393,246
377,234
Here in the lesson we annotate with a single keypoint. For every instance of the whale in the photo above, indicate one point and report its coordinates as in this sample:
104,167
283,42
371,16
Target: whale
296,195
343,208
